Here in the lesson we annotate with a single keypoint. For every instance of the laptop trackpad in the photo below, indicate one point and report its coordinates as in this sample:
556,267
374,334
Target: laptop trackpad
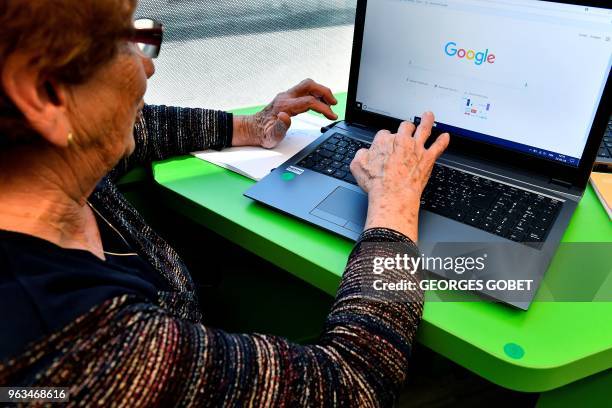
344,207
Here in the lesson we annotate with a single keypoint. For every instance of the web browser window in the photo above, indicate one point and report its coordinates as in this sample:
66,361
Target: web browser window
523,74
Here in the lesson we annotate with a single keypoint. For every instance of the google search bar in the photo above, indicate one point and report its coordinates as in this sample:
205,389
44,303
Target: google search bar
441,76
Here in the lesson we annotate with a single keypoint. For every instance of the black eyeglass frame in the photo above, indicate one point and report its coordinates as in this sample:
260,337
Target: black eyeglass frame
148,40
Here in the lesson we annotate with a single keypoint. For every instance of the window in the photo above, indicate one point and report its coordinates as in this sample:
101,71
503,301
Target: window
227,54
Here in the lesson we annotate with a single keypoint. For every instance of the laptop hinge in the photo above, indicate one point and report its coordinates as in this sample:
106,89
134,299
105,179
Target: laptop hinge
357,125
561,183
353,124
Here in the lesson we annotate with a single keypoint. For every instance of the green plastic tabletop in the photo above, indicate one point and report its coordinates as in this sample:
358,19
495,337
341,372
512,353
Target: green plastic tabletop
550,345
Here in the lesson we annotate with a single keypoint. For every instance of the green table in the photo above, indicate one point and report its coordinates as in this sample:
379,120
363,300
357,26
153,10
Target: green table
547,347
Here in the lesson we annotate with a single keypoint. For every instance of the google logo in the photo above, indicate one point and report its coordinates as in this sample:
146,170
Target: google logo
479,57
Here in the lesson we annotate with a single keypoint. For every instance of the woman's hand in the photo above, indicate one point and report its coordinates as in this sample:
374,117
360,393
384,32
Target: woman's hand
268,127
394,172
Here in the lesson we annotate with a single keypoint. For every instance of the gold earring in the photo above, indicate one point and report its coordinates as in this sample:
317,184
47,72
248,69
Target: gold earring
70,138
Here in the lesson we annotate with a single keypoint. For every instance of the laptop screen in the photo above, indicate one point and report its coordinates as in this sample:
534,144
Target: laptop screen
525,75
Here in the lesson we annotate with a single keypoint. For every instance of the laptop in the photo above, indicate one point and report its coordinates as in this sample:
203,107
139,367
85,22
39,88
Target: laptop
604,156
524,89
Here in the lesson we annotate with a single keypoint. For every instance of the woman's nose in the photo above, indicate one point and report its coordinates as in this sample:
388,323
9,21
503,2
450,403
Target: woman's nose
149,66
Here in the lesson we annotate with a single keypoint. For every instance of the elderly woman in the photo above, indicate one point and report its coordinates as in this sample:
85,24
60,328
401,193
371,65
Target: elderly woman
92,299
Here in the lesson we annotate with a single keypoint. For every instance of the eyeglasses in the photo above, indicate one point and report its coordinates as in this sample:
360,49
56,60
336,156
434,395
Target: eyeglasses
148,35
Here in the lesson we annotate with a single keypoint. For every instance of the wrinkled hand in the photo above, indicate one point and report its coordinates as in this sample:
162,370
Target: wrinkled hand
394,172
268,127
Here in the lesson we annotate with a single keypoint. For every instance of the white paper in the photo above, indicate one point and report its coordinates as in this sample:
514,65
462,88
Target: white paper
257,162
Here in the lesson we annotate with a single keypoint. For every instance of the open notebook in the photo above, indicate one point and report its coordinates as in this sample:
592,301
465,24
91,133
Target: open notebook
257,162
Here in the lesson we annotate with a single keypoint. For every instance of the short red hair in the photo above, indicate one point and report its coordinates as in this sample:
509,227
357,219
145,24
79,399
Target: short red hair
68,39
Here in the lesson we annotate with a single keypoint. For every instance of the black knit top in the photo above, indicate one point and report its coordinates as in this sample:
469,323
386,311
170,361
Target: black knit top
133,334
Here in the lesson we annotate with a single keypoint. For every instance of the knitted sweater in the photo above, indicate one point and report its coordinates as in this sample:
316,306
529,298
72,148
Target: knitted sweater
129,351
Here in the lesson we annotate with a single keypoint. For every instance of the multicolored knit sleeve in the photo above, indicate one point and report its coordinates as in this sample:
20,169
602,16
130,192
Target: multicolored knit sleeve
131,353
164,131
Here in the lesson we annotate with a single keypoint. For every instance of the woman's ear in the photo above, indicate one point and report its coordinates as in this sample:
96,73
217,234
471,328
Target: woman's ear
41,101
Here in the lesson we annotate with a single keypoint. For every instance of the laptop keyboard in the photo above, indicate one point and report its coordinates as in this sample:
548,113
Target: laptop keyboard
605,150
334,157
494,207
